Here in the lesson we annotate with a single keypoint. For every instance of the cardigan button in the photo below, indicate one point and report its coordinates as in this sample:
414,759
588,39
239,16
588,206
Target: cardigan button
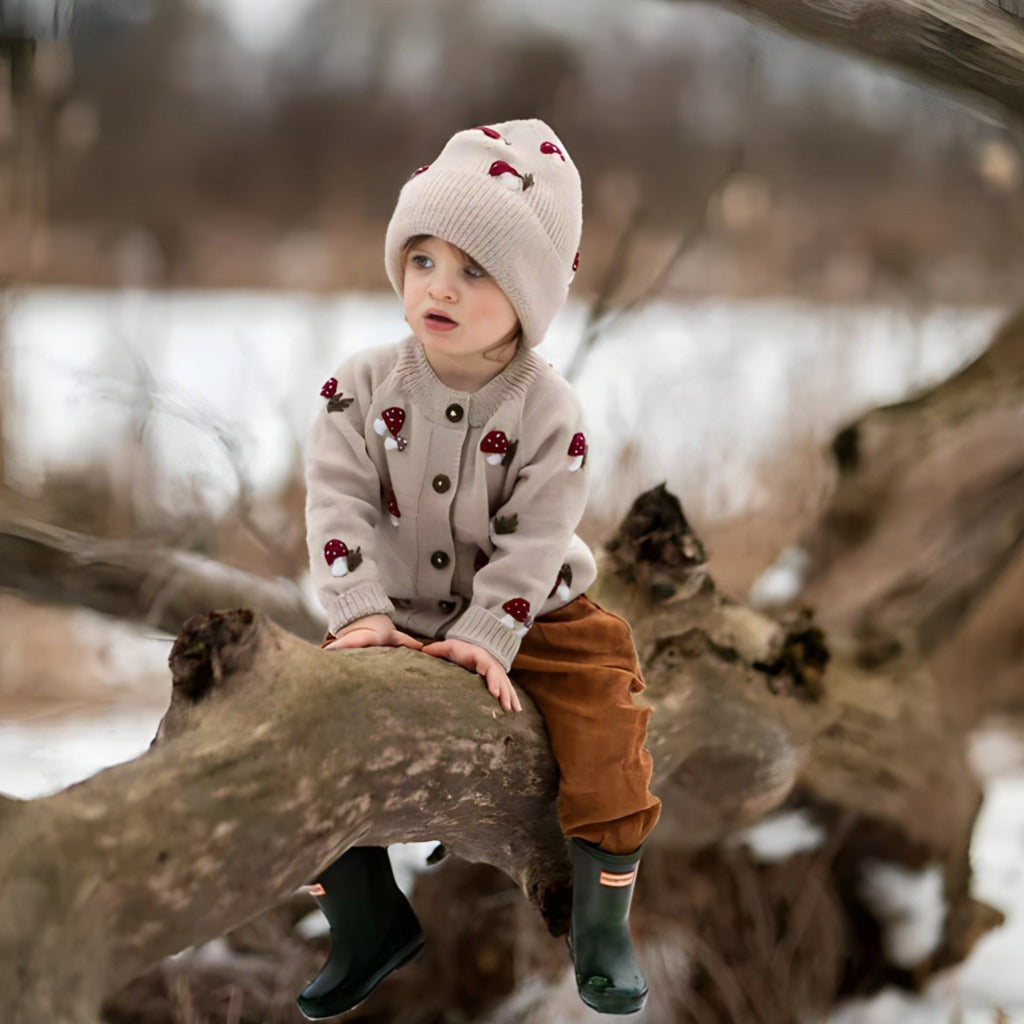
454,412
440,483
446,606
439,560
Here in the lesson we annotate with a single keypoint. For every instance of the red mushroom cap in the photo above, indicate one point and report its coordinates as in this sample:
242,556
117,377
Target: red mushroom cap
333,550
330,387
500,167
578,445
518,608
550,147
489,132
393,505
394,419
494,443
420,170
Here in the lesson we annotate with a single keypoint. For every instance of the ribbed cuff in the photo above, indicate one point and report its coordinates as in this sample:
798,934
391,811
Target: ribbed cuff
366,599
478,626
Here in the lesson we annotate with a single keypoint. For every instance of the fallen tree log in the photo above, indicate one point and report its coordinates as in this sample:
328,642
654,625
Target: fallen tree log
920,553
275,756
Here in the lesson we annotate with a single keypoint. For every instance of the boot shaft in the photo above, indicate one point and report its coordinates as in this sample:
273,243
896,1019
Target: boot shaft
603,884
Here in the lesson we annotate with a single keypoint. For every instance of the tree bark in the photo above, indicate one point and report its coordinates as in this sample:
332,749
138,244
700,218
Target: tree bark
961,46
275,756
135,579
921,549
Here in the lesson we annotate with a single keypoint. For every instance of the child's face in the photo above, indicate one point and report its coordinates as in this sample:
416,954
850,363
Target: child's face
454,307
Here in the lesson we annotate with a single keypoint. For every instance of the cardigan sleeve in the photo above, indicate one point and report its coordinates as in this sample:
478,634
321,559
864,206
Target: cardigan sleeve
343,502
539,520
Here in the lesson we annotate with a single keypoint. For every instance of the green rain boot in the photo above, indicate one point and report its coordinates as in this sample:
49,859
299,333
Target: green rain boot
608,975
374,931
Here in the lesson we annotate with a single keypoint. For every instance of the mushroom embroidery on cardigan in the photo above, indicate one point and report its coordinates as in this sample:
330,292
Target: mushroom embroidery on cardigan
340,559
488,131
563,583
390,422
498,448
336,402
577,452
517,615
393,511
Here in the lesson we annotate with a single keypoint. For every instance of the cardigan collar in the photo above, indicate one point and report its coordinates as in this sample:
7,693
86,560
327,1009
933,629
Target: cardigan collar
433,397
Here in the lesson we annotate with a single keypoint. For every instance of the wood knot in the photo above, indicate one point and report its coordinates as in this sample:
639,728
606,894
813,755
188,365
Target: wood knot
799,669
207,647
656,550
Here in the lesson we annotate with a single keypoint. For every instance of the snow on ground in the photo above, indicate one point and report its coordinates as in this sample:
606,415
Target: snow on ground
781,836
222,384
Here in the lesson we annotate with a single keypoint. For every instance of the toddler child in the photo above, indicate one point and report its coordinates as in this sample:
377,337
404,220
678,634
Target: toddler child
446,479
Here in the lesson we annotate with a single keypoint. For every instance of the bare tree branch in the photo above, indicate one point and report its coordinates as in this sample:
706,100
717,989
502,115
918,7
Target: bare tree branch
140,579
957,45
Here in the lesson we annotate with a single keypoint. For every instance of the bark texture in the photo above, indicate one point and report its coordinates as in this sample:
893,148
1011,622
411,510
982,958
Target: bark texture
136,578
976,49
921,551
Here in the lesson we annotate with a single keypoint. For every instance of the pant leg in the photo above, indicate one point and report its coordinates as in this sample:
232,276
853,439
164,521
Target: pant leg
581,669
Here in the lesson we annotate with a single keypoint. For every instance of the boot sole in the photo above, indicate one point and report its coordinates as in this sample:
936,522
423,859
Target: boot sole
611,1002
339,1000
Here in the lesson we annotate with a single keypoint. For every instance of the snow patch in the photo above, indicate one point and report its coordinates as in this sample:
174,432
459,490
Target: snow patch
782,581
781,836
911,907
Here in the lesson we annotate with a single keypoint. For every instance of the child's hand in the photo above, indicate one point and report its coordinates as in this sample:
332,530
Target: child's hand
476,659
372,631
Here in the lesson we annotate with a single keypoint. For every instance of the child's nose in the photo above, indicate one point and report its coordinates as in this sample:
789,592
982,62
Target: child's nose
443,286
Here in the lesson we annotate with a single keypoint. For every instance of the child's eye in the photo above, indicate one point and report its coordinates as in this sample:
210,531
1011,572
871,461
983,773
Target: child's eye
475,272
420,260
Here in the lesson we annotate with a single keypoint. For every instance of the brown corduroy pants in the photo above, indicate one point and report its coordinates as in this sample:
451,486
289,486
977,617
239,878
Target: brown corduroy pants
580,667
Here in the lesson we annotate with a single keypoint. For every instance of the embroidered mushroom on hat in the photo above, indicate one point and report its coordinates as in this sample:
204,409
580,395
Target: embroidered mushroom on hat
390,422
517,615
340,559
509,176
577,452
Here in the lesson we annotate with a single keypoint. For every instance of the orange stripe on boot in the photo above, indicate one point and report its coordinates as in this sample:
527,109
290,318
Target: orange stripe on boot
617,881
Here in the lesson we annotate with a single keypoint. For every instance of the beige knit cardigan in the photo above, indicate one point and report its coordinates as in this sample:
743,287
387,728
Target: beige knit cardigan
454,513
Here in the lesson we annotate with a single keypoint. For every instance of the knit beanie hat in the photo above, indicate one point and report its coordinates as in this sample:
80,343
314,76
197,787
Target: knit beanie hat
509,196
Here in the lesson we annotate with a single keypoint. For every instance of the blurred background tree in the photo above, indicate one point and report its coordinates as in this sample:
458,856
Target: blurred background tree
199,143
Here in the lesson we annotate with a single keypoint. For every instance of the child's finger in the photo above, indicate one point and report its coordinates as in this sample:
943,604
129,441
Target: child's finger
404,640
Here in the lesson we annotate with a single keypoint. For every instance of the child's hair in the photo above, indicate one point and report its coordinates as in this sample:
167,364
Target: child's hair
508,196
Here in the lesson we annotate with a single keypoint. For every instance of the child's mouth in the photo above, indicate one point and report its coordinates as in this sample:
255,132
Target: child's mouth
439,320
